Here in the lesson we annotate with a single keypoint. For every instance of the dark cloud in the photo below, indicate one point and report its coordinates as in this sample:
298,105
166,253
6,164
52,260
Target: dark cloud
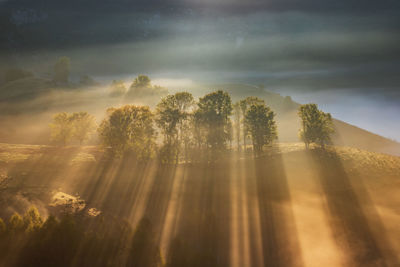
342,54
224,6
307,44
43,24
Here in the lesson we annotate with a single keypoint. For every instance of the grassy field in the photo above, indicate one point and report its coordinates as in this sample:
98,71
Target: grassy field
290,207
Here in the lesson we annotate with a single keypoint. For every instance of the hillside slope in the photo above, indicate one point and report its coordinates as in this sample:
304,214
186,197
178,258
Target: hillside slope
291,207
24,89
288,122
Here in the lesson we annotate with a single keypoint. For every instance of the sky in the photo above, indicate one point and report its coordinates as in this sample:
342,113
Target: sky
344,55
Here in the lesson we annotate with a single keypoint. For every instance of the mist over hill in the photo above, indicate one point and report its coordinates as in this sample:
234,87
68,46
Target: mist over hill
30,102
199,133
288,123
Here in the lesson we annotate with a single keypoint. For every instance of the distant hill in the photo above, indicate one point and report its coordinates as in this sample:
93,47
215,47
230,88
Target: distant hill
288,123
24,89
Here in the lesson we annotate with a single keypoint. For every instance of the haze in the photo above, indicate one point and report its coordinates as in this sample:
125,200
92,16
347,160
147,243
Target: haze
293,47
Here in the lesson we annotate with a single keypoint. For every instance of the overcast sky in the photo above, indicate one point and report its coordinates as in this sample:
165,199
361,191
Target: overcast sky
346,50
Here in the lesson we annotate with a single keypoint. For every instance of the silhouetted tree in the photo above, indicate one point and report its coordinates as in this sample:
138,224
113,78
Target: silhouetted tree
142,81
141,87
129,128
237,121
199,130
172,113
32,219
61,70
16,223
83,125
213,115
259,120
317,126
186,105
167,119
244,105
61,128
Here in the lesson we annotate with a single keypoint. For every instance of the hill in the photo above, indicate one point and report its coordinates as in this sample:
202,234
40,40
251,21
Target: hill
24,89
337,207
28,104
288,122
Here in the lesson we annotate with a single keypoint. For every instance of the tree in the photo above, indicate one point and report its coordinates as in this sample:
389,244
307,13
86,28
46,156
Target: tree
16,223
167,119
32,219
244,105
237,120
259,121
61,70
83,125
199,129
171,117
141,81
212,116
61,128
142,88
317,126
129,128
185,103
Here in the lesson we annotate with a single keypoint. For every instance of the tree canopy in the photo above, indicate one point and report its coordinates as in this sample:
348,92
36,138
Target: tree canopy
244,105
66,127
317,126
172,114
61,128
129,128
141,88
259,120
83,125
189,130
213,116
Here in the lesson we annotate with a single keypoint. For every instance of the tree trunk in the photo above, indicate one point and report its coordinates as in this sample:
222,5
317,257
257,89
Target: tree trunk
244,140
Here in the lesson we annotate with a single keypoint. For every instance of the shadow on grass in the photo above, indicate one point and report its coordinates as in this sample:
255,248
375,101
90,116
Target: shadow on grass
202,234
280,245
353,218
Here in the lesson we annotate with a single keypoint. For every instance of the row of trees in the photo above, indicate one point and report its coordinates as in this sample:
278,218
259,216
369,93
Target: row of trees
188,128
